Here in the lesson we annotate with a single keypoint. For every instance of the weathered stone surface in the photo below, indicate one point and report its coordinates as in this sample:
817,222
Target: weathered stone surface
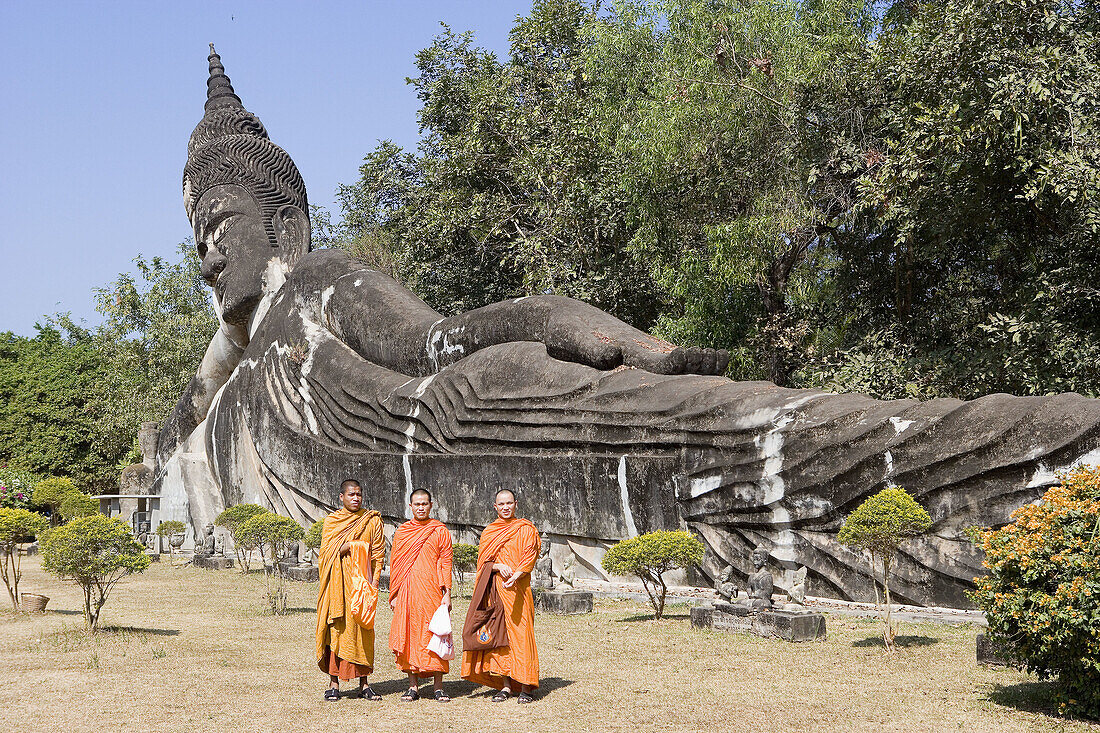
212,562
793,626
990,653
303,573
564,602
325,369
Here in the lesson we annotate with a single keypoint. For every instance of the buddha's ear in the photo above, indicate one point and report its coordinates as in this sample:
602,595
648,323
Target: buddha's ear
292,231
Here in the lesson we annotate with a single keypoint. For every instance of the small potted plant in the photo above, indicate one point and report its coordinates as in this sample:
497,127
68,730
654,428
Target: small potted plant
173,530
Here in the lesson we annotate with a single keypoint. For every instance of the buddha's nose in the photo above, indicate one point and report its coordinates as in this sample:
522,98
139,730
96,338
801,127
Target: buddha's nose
212,266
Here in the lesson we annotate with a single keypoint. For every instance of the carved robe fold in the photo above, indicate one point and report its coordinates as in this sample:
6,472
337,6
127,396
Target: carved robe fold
420,568
343,647
515,543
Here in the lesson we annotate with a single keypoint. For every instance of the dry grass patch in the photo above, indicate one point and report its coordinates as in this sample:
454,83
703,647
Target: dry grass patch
186,649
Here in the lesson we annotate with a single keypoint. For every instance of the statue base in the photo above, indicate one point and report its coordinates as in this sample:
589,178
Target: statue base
772,624
212,562
302,573
990,653
563,602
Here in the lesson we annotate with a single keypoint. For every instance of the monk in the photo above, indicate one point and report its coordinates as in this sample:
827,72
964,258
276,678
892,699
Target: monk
420,582
509,548
351,544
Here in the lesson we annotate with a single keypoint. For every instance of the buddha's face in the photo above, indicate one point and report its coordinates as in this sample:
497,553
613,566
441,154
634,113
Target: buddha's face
234,248
759,558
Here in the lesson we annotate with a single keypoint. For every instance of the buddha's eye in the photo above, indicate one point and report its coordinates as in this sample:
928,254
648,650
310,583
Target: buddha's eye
224,225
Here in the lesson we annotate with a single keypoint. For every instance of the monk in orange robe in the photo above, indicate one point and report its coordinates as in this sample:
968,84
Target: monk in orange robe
509,547
420,582
352,544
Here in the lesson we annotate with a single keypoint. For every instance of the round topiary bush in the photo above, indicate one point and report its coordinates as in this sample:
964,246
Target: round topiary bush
1042,594
650,556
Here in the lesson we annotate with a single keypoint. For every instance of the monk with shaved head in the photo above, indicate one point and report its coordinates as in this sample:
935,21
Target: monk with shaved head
353,548
420,582
508,550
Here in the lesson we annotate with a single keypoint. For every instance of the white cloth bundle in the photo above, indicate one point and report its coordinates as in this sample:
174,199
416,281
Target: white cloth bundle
442,643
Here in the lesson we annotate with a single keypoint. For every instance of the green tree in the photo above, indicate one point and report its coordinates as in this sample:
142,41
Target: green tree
16,525
463,560
156,327
95,553
233,519
966,266
48,419
167,529
268,530
879,525
649,556
513,189
1040,595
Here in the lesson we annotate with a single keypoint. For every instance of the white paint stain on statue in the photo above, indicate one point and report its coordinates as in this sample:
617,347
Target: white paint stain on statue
631,529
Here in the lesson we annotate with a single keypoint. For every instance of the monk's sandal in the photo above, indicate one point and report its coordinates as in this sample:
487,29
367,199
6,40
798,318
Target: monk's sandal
368,694
524,698
442,696
332,695
501,696
410,695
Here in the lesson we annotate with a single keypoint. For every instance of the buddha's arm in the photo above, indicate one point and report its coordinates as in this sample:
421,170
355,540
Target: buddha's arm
221,358
572,331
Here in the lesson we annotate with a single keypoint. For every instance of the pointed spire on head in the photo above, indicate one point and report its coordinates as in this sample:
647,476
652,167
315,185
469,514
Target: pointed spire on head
219,92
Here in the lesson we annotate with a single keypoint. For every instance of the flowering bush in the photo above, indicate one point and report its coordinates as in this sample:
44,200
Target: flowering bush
15,488
1042,594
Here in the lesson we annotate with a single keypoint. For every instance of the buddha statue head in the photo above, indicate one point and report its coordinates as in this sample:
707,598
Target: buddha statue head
245,199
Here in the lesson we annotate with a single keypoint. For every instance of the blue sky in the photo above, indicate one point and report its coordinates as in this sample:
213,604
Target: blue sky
100,98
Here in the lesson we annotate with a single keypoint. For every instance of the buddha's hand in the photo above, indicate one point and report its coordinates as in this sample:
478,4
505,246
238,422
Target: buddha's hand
590,336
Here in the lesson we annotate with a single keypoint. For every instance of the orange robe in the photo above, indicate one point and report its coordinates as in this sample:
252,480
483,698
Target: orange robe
345,648
420,568
516,544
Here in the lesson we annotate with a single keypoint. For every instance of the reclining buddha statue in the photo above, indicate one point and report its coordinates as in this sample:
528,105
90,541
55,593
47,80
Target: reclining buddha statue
324,369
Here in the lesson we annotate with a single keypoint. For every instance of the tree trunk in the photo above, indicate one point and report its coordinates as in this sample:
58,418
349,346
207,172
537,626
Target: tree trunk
888,634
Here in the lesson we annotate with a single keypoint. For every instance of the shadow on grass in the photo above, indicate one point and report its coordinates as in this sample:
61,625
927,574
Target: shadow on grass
124,630
62,612
901,640
460,688
649,617
292,610
1028,697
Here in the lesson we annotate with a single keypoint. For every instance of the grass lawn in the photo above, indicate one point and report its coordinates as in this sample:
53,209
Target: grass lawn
187,650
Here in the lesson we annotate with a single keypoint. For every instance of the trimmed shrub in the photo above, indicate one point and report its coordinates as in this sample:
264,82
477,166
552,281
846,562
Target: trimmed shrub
77,504
16,525
1042,594
233,519
880,524
272,531
50,493
463,560
95,553
650,556
313,535
168,529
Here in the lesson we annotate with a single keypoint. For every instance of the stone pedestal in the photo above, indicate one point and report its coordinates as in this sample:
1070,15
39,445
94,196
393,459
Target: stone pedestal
990,653
564,602
212,562
775,623
302,573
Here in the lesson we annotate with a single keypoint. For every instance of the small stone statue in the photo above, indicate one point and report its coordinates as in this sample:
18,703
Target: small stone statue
725,586
568,574
544,567
798,587
760,582
206,549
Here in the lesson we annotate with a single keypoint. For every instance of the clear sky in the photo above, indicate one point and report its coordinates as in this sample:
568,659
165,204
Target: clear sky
99,99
